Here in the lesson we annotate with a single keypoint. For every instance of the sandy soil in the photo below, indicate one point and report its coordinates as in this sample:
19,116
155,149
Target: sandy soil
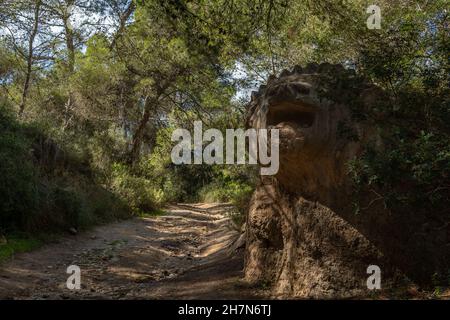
192,252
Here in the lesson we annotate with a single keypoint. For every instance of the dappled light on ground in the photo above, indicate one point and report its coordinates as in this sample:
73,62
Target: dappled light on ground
188,253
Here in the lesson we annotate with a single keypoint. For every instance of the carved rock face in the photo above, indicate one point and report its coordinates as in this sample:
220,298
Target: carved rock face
297,232
303,235
308,127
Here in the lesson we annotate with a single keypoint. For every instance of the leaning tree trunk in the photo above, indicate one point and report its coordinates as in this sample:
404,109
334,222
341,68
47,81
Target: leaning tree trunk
139,134
150,104
34,31
70,47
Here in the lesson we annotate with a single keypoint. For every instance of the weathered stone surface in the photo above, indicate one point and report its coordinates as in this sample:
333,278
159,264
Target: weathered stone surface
303,235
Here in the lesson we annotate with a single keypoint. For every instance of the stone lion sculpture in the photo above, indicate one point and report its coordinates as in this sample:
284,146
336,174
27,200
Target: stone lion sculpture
303,235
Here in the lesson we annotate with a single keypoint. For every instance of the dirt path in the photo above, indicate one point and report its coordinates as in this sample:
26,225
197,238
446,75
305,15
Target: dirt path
192,252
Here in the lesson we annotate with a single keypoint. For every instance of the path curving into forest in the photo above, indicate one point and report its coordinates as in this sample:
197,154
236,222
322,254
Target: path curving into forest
191,252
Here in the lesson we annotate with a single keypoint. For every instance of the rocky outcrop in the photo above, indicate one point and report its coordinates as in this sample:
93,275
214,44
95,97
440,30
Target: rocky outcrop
303,235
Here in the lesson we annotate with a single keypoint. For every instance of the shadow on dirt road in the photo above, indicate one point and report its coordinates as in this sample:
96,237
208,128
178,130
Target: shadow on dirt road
192,252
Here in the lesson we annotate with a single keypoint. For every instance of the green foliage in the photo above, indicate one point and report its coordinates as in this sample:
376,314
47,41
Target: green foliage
18,190
237,193
411,172
7,63
154,213
137,191
232,185
408,58
16,245
42,192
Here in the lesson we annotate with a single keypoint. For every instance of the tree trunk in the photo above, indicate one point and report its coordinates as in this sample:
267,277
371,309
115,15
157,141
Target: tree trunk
139,133
149,105
123,20
26,86
70,46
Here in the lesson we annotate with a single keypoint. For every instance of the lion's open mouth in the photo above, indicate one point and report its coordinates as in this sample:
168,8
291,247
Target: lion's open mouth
291,119
300,116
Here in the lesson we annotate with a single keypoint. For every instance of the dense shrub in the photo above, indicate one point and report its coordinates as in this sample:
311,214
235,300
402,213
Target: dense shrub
137,191
45,188
413,172
232,185
18,187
